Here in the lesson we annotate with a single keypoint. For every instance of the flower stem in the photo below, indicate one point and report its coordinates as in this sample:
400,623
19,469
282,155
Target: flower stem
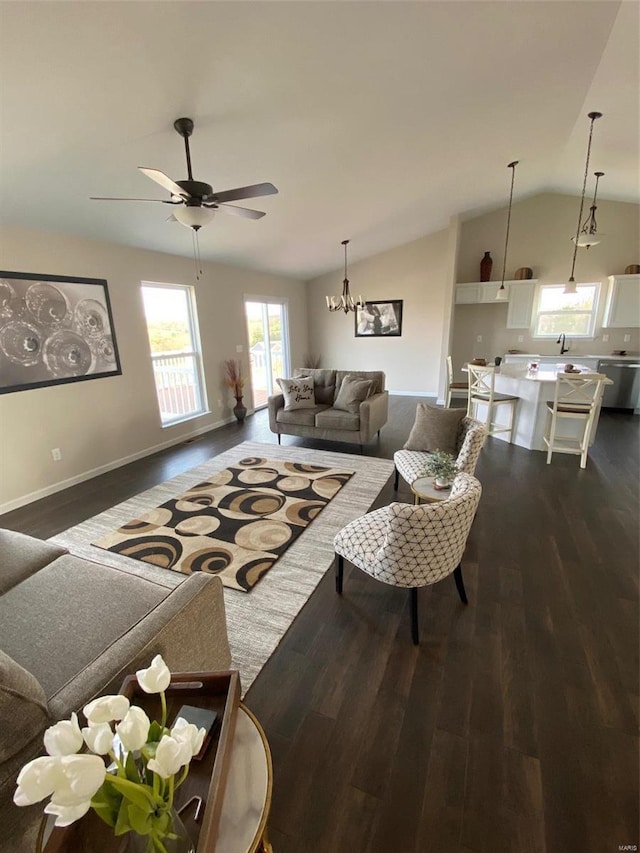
163,700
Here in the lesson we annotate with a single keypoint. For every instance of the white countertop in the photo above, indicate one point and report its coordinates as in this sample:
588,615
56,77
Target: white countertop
543,374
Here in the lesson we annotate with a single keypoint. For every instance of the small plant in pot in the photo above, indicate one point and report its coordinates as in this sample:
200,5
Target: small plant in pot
442,467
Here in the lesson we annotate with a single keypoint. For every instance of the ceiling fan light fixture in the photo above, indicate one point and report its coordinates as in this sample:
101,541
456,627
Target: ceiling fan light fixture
193,217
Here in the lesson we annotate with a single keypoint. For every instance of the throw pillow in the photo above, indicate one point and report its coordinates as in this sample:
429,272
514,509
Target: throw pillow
352,392
435,429
297,393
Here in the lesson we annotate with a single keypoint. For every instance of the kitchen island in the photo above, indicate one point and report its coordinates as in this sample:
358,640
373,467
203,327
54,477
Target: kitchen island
531,417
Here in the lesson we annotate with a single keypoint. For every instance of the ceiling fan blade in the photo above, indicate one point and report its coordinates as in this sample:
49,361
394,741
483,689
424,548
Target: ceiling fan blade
112,198
245,212
253,191
164,181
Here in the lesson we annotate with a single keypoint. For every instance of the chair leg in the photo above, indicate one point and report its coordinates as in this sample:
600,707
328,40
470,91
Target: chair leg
339,572
457,576
447,404
414,615
378,433
395,482
279,438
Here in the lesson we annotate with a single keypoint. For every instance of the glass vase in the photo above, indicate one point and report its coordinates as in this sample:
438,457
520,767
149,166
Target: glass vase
182,843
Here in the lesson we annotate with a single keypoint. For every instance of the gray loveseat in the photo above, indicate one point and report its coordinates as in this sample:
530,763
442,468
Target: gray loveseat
323,421
70,630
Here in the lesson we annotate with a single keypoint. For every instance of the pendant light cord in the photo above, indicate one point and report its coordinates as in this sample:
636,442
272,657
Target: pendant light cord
593,117
506,239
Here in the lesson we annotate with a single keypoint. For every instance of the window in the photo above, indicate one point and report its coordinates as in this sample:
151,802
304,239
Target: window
557,313
175,351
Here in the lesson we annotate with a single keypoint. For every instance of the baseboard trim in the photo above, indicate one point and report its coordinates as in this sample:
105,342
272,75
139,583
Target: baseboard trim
110,466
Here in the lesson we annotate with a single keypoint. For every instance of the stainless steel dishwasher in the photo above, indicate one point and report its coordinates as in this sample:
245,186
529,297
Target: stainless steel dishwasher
625,391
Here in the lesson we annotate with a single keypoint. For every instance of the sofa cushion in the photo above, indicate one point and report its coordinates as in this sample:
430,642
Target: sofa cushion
299,417
22,556
324,383
297,393
435,429
94,606
337,419
376,376
23,708
353,391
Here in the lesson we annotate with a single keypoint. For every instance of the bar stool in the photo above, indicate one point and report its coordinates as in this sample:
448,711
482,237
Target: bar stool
482,391
576,398
451,384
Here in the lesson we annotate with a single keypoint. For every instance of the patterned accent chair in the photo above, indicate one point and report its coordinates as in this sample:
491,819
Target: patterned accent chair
469,441
412,546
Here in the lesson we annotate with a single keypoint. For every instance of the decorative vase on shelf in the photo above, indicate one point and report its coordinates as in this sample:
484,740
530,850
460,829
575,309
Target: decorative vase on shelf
240,410
176,839
486,265
632,269
524,274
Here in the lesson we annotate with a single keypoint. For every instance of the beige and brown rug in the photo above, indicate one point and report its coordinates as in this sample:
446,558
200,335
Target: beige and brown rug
235,524
256,622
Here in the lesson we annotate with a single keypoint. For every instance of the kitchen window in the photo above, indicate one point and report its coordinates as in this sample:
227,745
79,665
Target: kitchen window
172,326
557,313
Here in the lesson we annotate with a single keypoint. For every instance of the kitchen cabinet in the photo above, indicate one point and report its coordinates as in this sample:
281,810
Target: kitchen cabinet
521,296
622,308
477,292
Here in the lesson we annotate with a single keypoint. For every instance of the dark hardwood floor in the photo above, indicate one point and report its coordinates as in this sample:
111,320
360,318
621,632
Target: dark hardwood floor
513,726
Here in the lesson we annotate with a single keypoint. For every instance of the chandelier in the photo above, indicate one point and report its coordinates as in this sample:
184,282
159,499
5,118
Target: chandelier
345,302
501,295
570,287
588,235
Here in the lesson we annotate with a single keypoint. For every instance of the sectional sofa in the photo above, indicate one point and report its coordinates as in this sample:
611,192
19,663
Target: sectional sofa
70,630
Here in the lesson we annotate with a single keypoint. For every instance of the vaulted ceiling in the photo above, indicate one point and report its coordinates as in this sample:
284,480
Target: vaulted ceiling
377,121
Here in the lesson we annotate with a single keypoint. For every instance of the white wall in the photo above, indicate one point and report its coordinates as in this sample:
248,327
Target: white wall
100,423
421,274
540,238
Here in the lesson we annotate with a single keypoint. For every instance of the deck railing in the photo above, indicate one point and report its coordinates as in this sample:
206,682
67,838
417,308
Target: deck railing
178,385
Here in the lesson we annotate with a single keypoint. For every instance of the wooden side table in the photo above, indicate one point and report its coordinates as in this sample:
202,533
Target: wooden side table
424,490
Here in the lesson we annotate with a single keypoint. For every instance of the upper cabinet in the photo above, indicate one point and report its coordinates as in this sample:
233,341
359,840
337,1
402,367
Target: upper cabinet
622,308
521,304
520,296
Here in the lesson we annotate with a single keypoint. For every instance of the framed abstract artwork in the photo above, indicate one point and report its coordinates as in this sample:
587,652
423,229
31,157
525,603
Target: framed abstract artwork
54,329
379,319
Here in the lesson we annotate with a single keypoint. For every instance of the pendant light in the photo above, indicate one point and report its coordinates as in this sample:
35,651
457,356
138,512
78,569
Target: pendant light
570,288
501,295
345,302
589,232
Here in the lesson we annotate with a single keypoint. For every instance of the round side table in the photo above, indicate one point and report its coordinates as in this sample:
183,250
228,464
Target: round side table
424,490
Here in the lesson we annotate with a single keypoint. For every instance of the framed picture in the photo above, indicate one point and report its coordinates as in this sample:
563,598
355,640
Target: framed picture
54,329
379,319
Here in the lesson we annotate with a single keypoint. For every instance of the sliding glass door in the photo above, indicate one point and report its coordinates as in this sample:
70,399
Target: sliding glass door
268,333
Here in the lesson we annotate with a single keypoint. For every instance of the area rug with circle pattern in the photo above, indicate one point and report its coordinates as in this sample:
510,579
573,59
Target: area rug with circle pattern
235,524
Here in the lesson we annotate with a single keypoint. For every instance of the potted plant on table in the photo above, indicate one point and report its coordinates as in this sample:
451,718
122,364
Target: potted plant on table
129,774
442,467
234,378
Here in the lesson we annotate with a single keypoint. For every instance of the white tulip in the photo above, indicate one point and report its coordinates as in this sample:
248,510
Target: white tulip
65,738
37,780
155,678
78,779
170,756
185,732
106,708
67,814
99,738
134,729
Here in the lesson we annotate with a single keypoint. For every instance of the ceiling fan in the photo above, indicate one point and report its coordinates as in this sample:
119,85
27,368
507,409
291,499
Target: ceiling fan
195,202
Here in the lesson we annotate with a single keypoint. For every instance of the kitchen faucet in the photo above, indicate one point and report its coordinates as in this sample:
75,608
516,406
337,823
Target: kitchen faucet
562,341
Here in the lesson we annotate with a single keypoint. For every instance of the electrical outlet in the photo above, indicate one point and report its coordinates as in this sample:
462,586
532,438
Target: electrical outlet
520,339
626,339
56,454
239,348
479,339
605,338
